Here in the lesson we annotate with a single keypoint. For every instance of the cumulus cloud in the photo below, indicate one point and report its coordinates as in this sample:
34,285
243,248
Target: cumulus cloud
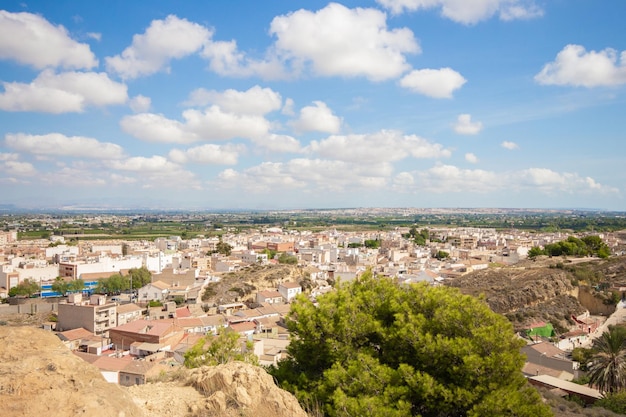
255,100
61,145
338,41
63,93
208,154
317,118
152,127
309,175
471,158
577,67
436,83
448,178
18,169
31,40
225,59
163,41
549,181
215,124
469,11
210,124
279,143
140,103
383,146
509,145
465,126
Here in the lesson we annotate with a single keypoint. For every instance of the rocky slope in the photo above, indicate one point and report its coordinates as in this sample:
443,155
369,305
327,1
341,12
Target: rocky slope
547,290
40,376
240,286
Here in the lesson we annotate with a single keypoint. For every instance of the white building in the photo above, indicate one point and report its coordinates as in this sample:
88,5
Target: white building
289,290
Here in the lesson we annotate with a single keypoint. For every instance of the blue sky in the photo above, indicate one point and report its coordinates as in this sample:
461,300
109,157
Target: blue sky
310,104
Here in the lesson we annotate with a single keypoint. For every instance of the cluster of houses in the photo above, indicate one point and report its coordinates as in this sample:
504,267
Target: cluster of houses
131,342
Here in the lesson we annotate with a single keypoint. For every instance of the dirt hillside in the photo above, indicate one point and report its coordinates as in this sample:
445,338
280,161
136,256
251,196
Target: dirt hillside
39,376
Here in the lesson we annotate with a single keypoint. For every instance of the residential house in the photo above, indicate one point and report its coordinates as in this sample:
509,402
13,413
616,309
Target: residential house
154,291
269,297
144,337
128,312
289,290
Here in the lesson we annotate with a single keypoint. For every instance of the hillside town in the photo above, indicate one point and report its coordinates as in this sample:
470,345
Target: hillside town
140,333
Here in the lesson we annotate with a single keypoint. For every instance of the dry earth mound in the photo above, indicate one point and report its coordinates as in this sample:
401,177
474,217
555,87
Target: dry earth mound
525,295
234,389
241,285
39,376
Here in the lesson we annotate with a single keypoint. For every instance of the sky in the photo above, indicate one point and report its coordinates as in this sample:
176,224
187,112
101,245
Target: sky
207,105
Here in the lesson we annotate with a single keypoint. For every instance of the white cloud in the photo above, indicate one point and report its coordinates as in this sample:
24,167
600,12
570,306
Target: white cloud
62,93
279,143
8,157
471,158
225,59
383,146
210,124
255,100
32,40
509,145
215,124
308,175
140,103
439,83
469,11
448,178
288,107
19,169
549,181
577,67
208,154
317,118
94,35
61,145
163,40
338,41
465,126
152,127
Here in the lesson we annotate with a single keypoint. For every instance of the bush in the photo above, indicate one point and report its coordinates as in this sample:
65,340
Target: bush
615,402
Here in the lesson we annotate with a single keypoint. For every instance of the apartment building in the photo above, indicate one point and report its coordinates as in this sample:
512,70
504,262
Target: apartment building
96,315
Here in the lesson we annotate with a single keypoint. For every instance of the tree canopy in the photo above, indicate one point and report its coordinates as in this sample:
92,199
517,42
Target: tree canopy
378,349
24,288
608,369
587,246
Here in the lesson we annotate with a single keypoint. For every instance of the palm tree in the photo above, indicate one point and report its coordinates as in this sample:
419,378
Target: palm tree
608,369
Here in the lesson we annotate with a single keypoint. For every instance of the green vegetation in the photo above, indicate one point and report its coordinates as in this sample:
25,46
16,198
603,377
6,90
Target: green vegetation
615,402
216,350
63,287
419,238
573,246
608,369
374,348
24,288
117,283
285,258
133,226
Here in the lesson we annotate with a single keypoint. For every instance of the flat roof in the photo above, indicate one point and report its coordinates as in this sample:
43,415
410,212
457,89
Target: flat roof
567,386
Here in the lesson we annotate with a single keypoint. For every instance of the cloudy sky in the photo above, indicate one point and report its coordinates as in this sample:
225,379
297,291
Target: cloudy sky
309,104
